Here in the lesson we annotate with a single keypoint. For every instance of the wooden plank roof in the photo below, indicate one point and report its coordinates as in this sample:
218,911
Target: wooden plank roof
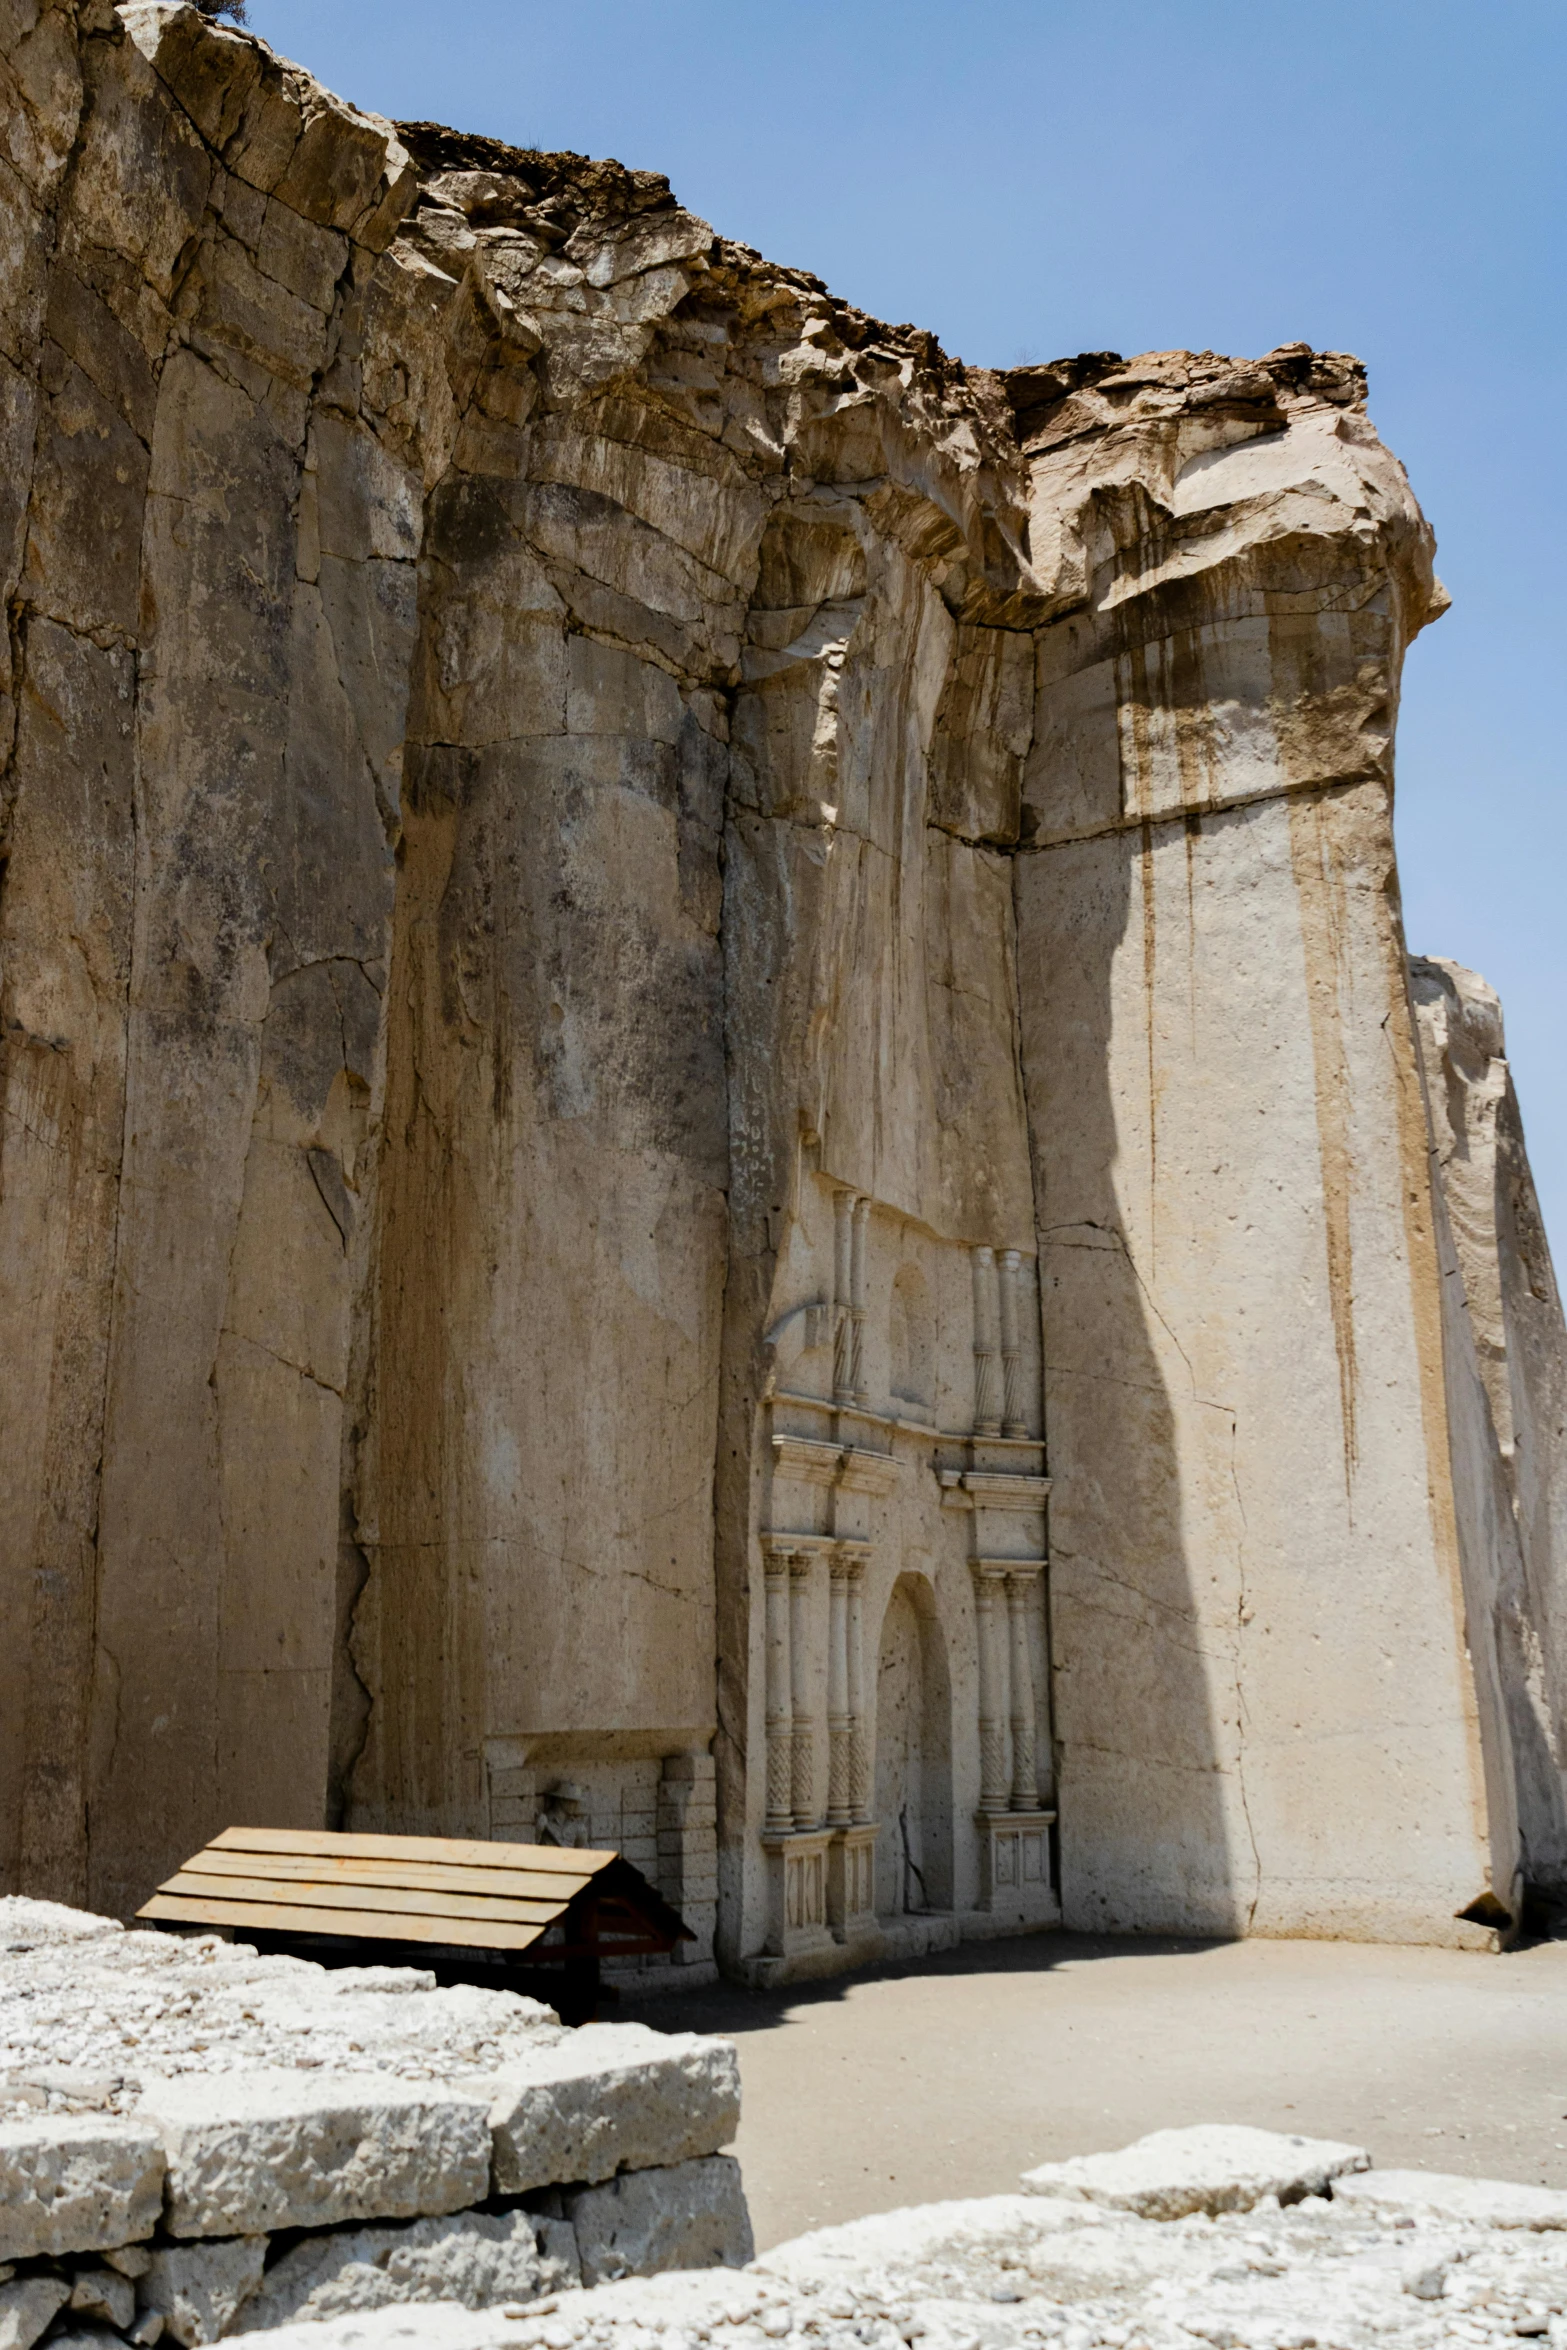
447,1890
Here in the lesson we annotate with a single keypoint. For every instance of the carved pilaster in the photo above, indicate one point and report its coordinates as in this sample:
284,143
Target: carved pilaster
780,1697
858,1297
994,1792
1014,1867
797,1869
1020,1602
802,1776
851,1882
987,1401
843,1286
859,1744
1013,1422
840,1788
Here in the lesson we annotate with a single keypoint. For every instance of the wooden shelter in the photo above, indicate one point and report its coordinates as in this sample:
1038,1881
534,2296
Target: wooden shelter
535,1917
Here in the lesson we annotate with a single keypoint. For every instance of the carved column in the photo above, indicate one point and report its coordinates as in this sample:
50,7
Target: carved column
994,1793
780,1699
1020,1595
987,1414
843,1284
858,1294
840,1784
1013,1423
859,1744
802,1742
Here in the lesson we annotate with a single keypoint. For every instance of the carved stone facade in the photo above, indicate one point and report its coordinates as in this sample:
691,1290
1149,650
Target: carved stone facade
902,1611
646,928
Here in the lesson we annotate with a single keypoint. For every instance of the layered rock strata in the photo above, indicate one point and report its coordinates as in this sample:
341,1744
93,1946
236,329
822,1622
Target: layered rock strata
193,2139
642,920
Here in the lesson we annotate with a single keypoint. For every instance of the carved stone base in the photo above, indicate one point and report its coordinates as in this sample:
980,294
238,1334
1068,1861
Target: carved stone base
797,1892
896,1940
851,1881
1014,1864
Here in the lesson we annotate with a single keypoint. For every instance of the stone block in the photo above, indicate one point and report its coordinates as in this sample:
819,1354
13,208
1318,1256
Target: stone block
76,2183
475,2258
612,2097
101,2293
1434,2195
1215,2166
691,2215
26,2307
276,2149
198,2289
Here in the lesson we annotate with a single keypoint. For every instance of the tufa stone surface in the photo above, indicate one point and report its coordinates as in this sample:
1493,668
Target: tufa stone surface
310,2149
476,2258
1437,2196
83,2016
1210,2167
77,2184
199,2289
227,2155
1012,2270
27,2306
1507,1356
102,2293
692,2215
612,2097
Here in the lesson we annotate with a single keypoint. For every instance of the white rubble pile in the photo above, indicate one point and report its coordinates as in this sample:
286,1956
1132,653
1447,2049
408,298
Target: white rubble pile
196,2141
82,1996
1296,2269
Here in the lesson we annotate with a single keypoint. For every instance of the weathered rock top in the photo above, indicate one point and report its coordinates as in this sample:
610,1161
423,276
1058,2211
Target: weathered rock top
593,270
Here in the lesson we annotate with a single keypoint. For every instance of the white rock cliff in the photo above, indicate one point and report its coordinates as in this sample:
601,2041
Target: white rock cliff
647,927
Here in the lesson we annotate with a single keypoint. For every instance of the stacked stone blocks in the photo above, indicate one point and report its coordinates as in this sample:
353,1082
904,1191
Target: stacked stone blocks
229,2197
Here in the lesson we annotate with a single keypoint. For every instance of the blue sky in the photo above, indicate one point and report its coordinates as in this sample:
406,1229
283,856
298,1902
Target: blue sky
1380,176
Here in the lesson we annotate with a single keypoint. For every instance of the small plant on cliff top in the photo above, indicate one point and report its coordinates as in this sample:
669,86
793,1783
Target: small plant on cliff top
230,8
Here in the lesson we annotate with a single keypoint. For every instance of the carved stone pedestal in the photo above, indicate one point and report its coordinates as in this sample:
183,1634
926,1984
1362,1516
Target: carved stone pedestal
797,1924
1014,1864
851,1882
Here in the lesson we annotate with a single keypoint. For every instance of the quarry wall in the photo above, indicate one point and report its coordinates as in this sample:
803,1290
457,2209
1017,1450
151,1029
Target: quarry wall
647,930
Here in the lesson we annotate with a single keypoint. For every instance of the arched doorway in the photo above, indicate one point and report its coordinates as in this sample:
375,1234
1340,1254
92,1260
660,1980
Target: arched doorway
913,1756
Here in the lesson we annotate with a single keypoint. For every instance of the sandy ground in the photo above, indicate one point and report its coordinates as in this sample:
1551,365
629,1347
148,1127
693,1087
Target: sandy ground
950,2077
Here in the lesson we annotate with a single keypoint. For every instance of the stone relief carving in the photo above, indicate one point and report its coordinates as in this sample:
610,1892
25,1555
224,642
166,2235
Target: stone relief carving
853,1480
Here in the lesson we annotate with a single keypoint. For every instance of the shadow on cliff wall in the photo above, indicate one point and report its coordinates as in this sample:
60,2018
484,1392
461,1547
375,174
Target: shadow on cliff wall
1146,1834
